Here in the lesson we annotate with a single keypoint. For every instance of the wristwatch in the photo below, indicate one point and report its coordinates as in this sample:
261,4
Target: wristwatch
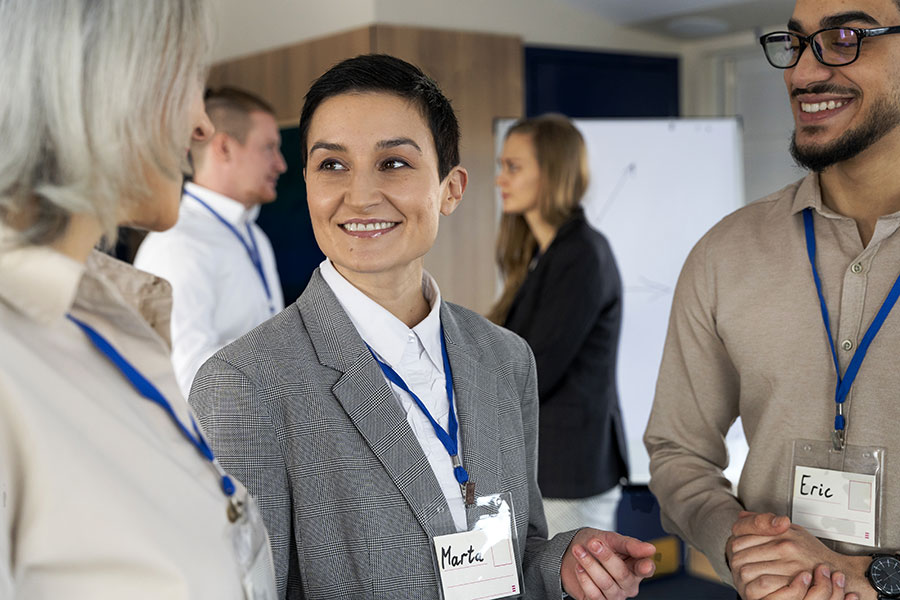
884,575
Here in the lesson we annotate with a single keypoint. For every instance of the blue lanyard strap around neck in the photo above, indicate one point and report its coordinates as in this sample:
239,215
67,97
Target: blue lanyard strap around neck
150,392
251,248
846,381
448,438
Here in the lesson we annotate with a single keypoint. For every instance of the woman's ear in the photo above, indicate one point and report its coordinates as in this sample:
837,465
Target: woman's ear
456,182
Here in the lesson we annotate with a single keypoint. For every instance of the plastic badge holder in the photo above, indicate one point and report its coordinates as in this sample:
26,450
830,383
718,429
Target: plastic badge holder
866,461
482,562
251,547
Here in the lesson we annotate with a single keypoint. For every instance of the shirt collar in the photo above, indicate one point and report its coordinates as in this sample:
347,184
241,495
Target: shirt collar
38,281
109,282
809,195
44,285
386,334
229,209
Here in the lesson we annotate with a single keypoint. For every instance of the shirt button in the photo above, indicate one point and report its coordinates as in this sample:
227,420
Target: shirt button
857,268
847,345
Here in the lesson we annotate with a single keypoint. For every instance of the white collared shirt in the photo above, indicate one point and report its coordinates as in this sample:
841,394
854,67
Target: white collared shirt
415,354
218,295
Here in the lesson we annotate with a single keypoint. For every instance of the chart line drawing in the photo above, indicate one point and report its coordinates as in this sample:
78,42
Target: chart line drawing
603,209
655,290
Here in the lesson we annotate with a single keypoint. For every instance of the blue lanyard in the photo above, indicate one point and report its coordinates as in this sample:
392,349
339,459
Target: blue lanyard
252,251
844,383
150,392
447,438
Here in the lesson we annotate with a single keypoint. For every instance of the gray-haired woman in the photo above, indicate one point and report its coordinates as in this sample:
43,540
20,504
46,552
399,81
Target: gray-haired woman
107,487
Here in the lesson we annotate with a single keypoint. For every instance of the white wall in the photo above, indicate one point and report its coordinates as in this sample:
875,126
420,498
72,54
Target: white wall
250,27
701,74
538,22
247,27
729,76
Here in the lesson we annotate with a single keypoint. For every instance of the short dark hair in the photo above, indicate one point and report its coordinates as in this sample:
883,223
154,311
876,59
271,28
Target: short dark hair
229,110
384,73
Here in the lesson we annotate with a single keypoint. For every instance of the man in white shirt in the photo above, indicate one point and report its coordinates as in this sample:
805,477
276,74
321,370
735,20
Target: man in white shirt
219,262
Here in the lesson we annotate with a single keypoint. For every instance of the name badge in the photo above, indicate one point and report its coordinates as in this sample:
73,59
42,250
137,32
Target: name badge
474,565
481,563
836,505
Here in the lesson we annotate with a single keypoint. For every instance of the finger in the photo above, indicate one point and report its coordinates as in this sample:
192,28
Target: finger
588,588
762,587
607,570
627,546
614,564
760,524
643,568
838,582
749,541
826,586
779,550
754,570
795,590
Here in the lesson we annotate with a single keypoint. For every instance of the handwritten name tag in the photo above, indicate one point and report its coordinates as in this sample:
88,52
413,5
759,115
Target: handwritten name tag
477,564
835,505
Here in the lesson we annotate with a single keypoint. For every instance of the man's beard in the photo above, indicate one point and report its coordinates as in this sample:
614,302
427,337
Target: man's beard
883,117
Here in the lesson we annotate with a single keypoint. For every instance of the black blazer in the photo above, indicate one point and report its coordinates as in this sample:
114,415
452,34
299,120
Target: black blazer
569,309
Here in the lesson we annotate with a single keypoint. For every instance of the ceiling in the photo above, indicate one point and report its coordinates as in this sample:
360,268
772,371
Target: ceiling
691,19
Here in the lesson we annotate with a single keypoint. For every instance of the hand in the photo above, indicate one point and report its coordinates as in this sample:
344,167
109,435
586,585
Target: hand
761,525
763,561
754,529
603,565
825,586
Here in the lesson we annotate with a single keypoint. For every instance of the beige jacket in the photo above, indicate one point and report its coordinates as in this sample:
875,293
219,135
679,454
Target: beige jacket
100,495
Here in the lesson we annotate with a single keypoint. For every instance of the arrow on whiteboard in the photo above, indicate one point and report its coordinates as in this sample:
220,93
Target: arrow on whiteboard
654,289
613,196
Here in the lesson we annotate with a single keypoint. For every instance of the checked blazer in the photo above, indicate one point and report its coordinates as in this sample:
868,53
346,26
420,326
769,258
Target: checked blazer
298,410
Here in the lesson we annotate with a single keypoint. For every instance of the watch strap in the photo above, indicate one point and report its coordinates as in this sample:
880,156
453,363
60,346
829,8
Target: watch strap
876,556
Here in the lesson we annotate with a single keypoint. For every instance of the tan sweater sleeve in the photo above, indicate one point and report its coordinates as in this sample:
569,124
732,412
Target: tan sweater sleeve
695,404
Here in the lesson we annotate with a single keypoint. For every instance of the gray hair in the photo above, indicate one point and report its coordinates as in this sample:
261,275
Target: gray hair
94,93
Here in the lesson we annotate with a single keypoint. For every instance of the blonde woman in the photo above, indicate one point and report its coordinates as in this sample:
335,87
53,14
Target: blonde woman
107,487
563,295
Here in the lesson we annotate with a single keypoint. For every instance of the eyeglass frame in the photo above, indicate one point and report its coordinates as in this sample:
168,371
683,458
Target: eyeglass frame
807,41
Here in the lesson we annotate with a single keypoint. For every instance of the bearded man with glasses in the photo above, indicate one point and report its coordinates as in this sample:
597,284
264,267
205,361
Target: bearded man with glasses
784,316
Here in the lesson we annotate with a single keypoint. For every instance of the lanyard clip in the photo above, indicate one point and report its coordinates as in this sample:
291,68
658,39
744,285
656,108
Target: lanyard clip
466,487
837,440
840,424
234,510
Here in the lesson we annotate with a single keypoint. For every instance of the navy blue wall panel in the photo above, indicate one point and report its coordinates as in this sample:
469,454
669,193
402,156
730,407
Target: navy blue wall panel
598,84
286,222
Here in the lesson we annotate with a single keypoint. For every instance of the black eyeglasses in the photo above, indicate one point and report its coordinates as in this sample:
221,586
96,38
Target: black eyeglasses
834,47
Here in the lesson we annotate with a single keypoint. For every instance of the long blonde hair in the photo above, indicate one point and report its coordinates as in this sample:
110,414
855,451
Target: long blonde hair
564,175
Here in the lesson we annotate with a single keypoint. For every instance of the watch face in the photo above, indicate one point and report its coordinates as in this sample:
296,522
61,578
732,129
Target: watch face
885,575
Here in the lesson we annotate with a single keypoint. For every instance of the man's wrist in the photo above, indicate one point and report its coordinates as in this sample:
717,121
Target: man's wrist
854,569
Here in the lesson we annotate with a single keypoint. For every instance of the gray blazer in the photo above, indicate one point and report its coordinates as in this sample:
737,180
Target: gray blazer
299,411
